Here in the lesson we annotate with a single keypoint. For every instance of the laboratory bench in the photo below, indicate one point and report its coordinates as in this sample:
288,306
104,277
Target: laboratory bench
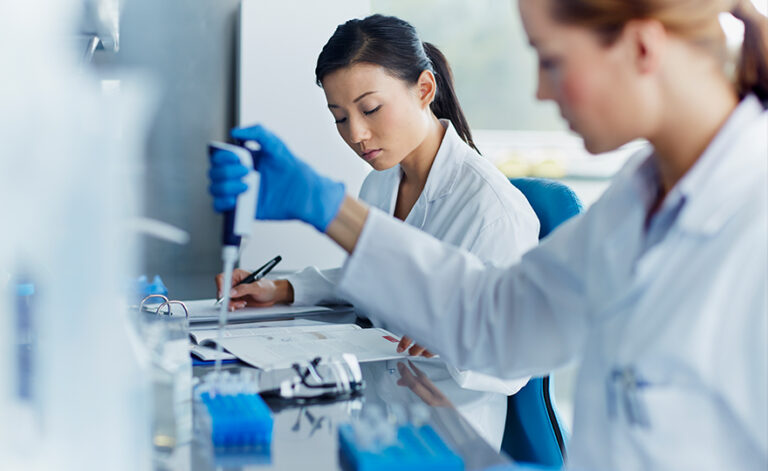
306,436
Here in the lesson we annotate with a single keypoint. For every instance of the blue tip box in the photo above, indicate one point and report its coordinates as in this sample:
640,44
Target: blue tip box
416,449
238,421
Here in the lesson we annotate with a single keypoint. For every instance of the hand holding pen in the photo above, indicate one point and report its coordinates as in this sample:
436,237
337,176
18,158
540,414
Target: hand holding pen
248,285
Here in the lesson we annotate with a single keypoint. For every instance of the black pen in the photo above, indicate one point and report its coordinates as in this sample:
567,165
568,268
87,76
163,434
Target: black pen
260,273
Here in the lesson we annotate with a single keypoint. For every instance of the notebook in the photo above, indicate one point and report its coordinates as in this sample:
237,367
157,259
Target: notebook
209,353
204,310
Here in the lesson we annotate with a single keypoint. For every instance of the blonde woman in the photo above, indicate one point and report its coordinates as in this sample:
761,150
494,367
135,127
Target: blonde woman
660,288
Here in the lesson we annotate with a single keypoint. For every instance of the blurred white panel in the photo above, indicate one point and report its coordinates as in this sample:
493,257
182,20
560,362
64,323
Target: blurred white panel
73,393
279,45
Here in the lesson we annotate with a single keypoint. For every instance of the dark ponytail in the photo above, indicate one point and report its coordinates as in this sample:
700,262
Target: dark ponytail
393,44
753,65
446,104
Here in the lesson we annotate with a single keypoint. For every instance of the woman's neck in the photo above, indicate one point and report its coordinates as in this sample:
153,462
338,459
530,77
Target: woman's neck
697,115
417,164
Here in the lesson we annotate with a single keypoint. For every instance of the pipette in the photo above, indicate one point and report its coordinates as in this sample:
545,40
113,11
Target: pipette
238,223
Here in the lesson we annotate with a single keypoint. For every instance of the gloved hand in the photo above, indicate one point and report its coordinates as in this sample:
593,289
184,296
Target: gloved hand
288,188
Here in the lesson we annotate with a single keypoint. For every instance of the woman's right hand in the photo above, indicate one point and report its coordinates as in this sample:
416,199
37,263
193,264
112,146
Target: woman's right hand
262,293
288,189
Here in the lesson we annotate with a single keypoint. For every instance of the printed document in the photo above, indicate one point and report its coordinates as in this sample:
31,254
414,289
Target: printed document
281,347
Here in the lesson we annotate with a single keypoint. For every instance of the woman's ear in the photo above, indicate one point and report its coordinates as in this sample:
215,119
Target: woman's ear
647,38
426,87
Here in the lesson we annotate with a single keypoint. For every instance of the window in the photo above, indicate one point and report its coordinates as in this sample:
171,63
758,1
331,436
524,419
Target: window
495,74
494,67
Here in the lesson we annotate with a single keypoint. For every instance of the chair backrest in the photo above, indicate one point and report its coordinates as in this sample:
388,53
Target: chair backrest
533,433
552,201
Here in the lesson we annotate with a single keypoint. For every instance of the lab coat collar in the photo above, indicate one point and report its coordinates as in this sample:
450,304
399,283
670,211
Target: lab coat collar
713,189
447,164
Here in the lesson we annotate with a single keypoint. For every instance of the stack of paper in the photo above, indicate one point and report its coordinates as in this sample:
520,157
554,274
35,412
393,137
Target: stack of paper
205,310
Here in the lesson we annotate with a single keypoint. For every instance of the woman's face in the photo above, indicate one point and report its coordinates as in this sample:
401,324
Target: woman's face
382,118
597,87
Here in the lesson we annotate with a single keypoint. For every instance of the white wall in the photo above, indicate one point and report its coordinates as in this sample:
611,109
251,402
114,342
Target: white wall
279,45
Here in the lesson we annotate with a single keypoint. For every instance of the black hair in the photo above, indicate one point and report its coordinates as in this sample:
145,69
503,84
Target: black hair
393,44
753,65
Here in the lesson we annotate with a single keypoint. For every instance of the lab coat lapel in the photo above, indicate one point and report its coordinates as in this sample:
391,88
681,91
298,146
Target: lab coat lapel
714,188
718,182
394,189
446,166
617,245
442,176
712,192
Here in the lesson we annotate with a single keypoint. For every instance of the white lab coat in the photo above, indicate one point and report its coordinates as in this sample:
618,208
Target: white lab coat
670,321
467,203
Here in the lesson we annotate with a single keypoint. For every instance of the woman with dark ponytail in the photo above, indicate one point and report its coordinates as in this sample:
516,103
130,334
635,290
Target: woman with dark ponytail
393,101
393,45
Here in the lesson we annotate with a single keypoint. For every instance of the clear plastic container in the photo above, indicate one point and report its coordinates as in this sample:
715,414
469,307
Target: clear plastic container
167,339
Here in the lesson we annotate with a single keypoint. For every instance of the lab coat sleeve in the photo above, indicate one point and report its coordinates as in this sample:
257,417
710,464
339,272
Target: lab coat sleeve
478,381
756,348
312,286
523,320
741,362
501,243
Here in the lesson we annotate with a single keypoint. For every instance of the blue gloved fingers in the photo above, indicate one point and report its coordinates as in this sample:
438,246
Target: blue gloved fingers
289,188
223,157
227,188
252,133
227,172
222,204
270,143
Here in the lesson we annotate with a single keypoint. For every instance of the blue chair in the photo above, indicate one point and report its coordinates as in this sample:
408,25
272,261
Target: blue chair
533,433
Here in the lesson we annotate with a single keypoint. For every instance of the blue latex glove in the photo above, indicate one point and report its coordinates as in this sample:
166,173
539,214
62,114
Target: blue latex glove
288,188
522,467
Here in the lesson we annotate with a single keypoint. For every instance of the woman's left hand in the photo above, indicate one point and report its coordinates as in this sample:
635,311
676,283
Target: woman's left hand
415,350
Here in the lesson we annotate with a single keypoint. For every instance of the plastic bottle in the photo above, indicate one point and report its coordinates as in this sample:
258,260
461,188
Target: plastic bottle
157,287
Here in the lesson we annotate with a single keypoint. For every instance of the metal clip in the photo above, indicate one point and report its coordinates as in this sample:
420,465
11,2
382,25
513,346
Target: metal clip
141,306
170,312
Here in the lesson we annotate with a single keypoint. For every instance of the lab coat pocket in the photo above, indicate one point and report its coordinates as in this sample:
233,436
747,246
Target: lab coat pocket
680,424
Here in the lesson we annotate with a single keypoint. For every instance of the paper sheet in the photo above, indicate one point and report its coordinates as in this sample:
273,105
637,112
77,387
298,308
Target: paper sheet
209,334
280,347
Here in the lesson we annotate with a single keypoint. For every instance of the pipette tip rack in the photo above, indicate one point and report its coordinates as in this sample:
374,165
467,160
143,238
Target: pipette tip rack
414,448
236,417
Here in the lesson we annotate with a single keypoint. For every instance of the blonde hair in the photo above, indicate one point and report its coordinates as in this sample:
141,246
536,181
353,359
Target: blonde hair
695,20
